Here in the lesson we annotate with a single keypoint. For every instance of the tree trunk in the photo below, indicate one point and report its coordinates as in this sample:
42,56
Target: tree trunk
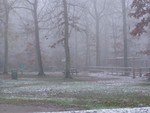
6,37
38,51
97,43
87,50
87,41
148,44
115,41
125,35
97,19
66,41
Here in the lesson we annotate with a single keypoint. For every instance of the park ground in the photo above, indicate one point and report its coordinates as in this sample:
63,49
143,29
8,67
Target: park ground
31,93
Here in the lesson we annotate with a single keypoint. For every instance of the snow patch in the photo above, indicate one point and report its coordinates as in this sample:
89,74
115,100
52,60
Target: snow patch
121,110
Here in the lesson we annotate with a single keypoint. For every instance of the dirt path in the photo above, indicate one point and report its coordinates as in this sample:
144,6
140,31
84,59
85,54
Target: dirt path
5,108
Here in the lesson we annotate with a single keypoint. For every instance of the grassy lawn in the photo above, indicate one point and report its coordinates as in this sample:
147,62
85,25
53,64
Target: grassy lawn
85,91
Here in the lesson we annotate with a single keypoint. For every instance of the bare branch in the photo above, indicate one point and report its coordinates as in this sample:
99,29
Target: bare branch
23,8
102,9
30,2
91,14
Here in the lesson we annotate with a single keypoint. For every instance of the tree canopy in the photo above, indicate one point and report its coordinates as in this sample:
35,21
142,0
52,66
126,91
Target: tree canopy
141,11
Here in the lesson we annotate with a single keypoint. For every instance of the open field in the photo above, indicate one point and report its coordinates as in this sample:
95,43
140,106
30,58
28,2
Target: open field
85,91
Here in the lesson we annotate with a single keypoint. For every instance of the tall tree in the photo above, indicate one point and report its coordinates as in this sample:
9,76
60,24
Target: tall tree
37,40
32,6
87,44
87,36
125,35
7,7
65,21
63,24
6,19
66,39
97,15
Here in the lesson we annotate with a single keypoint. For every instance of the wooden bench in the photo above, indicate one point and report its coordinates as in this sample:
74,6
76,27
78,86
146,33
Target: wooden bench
147,75
72,71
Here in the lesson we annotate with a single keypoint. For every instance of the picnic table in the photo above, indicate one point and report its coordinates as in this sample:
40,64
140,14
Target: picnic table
73,71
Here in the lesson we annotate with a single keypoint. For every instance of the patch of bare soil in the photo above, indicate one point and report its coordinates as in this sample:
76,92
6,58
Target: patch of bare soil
6,108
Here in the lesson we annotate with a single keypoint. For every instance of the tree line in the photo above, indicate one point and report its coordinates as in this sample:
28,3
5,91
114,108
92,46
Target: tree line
65,17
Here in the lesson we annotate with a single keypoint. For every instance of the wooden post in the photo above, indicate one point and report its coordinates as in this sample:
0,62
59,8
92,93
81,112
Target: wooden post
133,73
140,72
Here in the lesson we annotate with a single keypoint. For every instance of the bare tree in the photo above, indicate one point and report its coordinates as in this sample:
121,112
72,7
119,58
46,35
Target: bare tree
6,8
65,21
125,35
32,6
5,2
66,39
97,16
38,51
87,35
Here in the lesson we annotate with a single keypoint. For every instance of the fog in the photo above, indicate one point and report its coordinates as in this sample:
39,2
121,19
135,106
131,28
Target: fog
95,35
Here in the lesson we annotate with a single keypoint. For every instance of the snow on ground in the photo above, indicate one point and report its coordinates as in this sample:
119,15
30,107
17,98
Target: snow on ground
106,83
121,110
103,84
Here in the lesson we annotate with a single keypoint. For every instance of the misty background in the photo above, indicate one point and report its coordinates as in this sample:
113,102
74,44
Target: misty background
84,17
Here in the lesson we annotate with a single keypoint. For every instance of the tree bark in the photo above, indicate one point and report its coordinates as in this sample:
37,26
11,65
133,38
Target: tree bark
38,49
66,41
87,32
97,19
97,43
87,50
6,37
125,35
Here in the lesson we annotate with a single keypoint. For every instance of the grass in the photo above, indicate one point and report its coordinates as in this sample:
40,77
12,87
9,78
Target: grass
116,101
147,84
82,92
109,101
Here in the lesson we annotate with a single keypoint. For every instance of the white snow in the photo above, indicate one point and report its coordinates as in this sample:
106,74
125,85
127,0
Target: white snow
120,110
107,84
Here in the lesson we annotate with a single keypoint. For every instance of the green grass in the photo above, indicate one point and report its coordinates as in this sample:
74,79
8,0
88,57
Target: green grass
84,101
117,102
62,102
147,84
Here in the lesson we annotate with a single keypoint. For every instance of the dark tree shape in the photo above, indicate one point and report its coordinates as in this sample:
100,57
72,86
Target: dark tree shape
141,10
